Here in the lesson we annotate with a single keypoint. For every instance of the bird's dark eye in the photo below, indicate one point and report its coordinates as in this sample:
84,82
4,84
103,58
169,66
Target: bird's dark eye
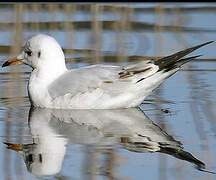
29,53
39,54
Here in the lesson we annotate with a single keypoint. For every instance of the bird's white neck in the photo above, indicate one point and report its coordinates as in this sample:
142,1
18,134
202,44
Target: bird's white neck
39,82
48,75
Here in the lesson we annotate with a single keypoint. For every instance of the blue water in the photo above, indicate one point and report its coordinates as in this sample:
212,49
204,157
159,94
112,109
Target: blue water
90,147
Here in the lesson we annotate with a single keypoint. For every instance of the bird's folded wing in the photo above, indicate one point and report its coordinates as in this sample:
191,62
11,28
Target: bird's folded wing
110,79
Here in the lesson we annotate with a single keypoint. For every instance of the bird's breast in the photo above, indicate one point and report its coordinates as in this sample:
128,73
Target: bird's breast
38,93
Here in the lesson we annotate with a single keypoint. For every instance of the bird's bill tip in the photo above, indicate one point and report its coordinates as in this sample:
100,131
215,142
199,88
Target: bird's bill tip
12,61
15,147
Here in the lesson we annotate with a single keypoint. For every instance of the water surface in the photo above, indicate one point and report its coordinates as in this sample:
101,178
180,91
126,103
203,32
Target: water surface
172,134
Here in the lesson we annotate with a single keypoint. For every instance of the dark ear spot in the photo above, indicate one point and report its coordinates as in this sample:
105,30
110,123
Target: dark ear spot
39,54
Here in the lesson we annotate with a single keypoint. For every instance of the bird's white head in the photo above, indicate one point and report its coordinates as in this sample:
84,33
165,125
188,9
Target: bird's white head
40,52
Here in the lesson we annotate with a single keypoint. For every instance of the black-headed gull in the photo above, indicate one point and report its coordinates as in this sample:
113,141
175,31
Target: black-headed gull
52,130
52,85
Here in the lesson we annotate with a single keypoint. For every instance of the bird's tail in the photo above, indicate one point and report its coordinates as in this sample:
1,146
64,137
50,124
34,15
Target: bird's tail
173,61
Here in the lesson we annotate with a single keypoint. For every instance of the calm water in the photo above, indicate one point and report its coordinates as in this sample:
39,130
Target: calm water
171,136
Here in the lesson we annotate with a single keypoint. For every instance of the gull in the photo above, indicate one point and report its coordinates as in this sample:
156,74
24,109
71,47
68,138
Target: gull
53,130
100,86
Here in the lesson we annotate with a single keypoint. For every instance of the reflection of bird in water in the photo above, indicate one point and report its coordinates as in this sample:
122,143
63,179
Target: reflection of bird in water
130,128
99,86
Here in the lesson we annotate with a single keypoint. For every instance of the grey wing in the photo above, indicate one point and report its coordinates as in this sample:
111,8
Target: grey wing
117,79
83,80
111,79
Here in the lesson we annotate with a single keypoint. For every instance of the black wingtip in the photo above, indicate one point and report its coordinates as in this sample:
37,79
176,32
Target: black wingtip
183,155
185,60
170,61
190,58
197,56
209,42
180,62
